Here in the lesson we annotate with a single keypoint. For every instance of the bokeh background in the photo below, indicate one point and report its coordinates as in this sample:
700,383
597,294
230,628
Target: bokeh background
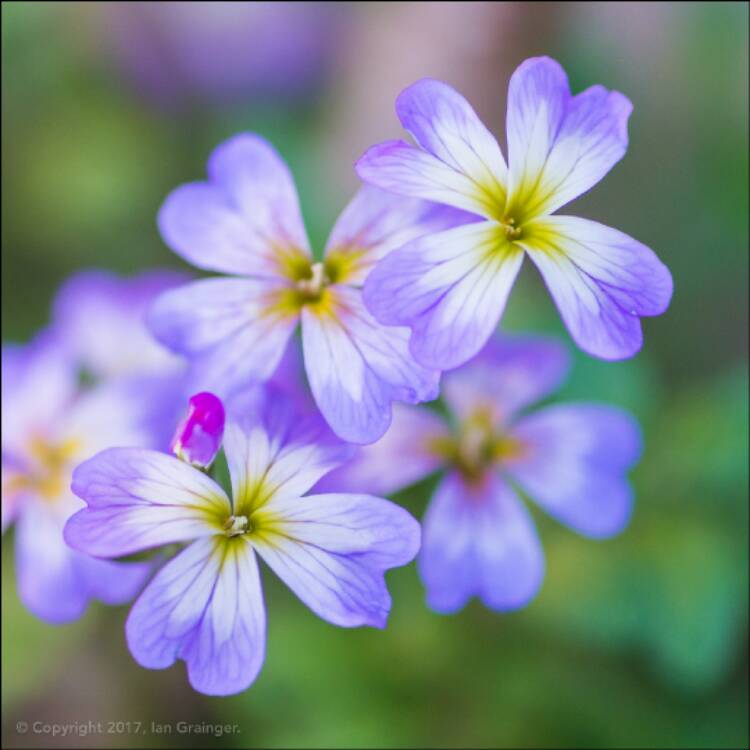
636,642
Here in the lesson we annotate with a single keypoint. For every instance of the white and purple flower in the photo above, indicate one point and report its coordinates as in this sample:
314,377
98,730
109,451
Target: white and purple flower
48,426
571,459
451,287
246,221
205,606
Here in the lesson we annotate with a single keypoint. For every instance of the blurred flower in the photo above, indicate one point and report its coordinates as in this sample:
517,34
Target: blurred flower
198,437
222,51
246,221
451,287
478,539
48,426
205,606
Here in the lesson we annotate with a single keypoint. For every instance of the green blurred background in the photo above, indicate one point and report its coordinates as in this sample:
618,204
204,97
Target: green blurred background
636,642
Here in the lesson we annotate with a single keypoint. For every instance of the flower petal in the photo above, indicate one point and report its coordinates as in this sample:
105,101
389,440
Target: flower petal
56,582
102,318
357,367
403,456
138,499
450,288
574,465
246,221
274,451
206,607
235,329
376,222
601,281
333,550
559,145
479,540
400,168
510,373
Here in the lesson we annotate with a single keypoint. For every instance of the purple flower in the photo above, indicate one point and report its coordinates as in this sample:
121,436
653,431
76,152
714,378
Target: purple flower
101,317
571,459
197,439
451,287
205,606
48,426
246,221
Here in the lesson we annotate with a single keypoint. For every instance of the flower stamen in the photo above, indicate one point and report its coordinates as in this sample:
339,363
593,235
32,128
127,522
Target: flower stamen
236,525
313,286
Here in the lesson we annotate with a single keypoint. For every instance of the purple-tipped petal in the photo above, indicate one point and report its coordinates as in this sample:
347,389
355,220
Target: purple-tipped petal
234,328
205,607
197,439
479,540
450,288
407,170
102,319
510,373
559,145
139,499
357,367
403,456
55,582
574,465
375,222
333,551
245,220
602,281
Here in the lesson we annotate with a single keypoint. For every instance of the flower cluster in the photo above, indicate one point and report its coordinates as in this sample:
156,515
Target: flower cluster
114,489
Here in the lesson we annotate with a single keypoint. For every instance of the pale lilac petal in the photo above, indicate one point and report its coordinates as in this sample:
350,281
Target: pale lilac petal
39,381
333,551
245,220
102,319
602,281
574,463
55,582
479,540
510,373
205,607
404,455
559,145
444,123
407,170
235,329
275,447
138,499
450,288
357,367
375,222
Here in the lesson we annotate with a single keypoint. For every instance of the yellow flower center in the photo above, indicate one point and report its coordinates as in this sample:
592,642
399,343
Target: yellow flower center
49,474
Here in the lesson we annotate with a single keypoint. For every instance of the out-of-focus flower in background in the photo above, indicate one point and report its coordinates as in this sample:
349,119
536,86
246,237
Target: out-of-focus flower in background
219,52
571,459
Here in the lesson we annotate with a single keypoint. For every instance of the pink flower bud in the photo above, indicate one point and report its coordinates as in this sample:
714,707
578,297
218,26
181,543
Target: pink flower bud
198,437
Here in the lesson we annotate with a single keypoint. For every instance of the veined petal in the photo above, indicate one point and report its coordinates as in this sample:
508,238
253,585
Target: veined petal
559,145
602,281
403,456
206,607
479,540
510,373
246,220
56,582
574,465
407,170
376,222
138,499
333,551
235,329
444,123
278,453
450,288
357,367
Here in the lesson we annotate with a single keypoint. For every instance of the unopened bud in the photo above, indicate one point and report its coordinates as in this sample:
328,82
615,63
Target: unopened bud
198,437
